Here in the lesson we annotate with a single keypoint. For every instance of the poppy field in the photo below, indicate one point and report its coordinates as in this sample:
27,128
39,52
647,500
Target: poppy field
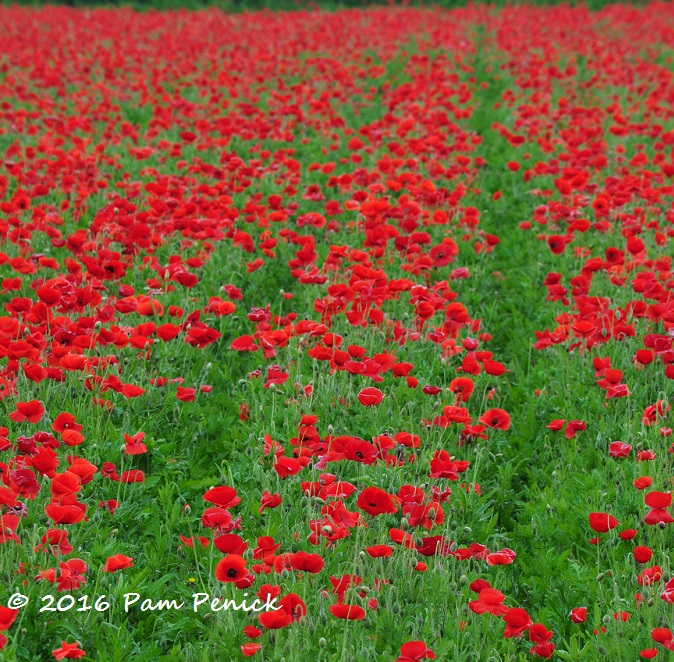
337,336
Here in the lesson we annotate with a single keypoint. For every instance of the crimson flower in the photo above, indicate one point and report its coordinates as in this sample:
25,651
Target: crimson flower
118,562
578,614
496,418
68,651
415,650
134,444
375,501
517,622
370,396
348,612
249,649
231,568
489,601
602,522
30,411
7,617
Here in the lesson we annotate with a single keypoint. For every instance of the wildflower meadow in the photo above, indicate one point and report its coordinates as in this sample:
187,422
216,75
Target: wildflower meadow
337,335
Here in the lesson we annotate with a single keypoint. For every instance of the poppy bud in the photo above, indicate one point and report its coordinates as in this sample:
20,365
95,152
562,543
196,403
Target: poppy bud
285,573
187,509
453,547
304,502
395,608
404,523
323,619
467,529
606,619
650,602
322,642
113,533
331,429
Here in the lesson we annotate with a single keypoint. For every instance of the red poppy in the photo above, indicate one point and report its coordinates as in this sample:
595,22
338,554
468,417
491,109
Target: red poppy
370,396
517,622
348,612
496,418
56,541
462,387
7,617
375,501
65,421
134,444
312,563
68,651
578,614
602,522
118,562
619,449
415,650
65,514
557,244
378,551
223,496
71,575
269,500
249,649
489,601
658,513
275,620
231,568
30,411
642,554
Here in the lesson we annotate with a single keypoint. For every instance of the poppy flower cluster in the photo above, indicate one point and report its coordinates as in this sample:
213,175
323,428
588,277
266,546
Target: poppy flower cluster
276,299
